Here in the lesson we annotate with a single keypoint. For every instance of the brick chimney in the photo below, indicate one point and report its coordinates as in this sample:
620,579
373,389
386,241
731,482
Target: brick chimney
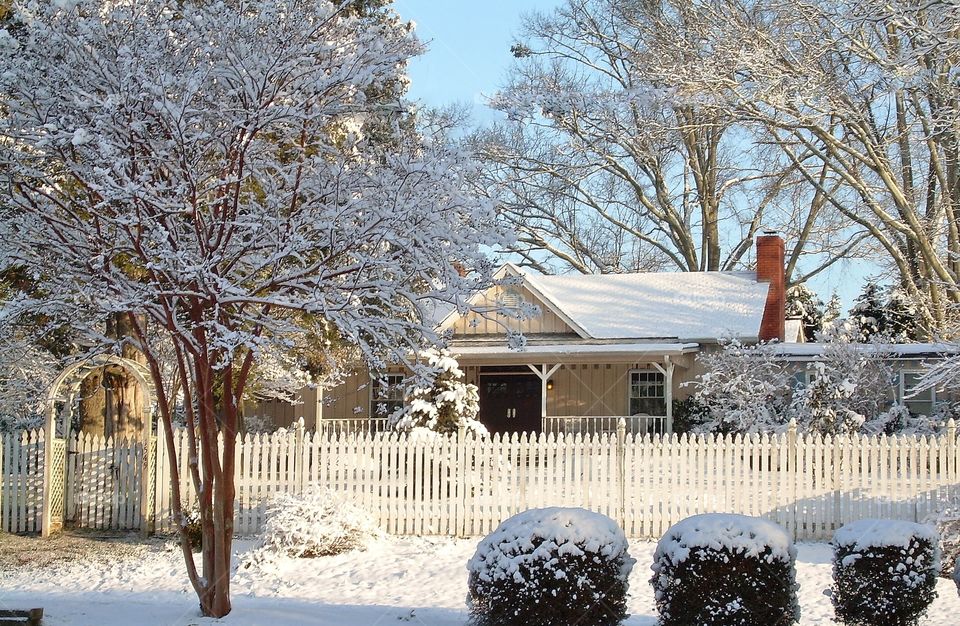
770,253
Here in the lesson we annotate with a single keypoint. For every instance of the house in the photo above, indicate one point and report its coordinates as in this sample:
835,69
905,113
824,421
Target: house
603,346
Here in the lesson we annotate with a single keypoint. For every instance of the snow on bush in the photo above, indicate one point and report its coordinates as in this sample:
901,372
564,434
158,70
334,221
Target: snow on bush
745,389
444,406
725,570
551,566
947,523
884,572
316,523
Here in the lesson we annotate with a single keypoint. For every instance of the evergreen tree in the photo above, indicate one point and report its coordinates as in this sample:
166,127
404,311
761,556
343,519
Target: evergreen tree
443,406
886,312
868,312
802,302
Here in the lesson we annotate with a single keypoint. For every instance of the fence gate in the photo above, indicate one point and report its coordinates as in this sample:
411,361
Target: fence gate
104,483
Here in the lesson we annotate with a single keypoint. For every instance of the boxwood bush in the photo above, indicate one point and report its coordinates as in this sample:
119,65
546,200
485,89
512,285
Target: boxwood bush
725,570
545,567
884,572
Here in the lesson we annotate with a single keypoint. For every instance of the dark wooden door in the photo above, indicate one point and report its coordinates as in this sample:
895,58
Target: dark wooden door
510,402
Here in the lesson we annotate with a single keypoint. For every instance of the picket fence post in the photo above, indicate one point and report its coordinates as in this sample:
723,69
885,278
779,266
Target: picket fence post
462,474
952,468
793,474
298,463
622,471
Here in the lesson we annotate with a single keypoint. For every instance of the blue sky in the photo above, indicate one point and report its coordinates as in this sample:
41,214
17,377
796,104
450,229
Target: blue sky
469,55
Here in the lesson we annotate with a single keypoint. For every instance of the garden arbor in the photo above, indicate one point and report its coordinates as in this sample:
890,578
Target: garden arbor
60,403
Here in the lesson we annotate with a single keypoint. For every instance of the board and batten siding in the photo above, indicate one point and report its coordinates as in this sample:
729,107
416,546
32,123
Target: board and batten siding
547,323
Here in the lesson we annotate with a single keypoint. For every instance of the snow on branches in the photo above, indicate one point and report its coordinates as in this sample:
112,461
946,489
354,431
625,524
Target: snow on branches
26,372
443,403
847,388
163,157
202,168
745,388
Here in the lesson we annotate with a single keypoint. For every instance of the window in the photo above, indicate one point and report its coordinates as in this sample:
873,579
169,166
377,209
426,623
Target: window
924,402
386,395
802,379
646,393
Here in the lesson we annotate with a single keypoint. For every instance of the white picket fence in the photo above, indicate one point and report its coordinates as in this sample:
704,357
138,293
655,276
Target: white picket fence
465,486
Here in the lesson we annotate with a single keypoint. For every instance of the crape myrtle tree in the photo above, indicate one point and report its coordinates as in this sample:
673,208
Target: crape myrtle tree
201,168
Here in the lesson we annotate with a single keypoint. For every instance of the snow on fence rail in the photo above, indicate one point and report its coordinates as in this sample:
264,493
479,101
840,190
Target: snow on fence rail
466,486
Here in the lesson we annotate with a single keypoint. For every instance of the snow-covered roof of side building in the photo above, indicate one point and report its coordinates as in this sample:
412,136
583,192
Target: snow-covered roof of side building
810,351
688,306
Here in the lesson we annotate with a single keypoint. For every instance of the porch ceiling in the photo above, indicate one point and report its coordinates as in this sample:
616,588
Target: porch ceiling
572,353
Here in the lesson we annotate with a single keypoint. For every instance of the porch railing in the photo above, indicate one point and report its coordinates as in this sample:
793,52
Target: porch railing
590,424
354,425
564,424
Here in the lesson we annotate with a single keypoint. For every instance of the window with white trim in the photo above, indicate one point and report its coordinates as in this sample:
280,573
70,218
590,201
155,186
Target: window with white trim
386,395
924,402
647,393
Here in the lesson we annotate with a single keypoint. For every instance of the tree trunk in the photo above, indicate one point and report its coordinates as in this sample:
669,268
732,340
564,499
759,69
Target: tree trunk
111,401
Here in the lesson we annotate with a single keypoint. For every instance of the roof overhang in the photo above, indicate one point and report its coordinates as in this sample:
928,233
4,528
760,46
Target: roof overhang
900,351
568,353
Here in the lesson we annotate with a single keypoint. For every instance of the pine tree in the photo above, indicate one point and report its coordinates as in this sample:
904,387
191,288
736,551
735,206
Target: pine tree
443,406
802,302
868,312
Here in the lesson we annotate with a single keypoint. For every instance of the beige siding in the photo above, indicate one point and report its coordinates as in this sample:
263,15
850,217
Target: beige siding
344,400
491,324
599,389
284,414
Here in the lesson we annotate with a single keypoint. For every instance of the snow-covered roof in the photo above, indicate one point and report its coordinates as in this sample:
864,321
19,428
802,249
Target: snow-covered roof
802,351
572,349
688,306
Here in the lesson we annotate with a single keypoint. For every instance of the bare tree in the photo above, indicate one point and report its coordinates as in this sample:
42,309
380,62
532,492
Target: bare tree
862,97
609,162
202,169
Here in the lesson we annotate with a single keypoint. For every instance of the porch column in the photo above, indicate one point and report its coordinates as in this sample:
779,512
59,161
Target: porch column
667,370
544,375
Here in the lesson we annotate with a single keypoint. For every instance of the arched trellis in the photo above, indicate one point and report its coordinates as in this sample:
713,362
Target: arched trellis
61,398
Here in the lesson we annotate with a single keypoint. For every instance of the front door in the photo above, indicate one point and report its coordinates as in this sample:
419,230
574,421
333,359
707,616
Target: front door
510,402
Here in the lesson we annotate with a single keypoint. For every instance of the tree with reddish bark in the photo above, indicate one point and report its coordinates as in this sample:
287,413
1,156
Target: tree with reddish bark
204,169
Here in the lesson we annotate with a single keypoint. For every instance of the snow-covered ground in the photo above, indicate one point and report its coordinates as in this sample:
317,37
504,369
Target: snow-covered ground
398,580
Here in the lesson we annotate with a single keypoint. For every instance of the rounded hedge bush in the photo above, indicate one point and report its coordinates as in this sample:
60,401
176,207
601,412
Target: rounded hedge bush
884,572
725,570
552,566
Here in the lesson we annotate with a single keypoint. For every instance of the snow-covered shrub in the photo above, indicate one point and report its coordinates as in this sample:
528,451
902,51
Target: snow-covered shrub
947,523
550,566
689,414
725,570
745,388
194,527
884,572
850,386
316,523
444,406
898,419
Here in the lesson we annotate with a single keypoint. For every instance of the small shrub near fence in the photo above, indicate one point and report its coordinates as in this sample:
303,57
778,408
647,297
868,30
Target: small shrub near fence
884,572
726,570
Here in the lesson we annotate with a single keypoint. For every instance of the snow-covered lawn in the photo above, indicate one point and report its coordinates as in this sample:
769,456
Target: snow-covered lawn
398,580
